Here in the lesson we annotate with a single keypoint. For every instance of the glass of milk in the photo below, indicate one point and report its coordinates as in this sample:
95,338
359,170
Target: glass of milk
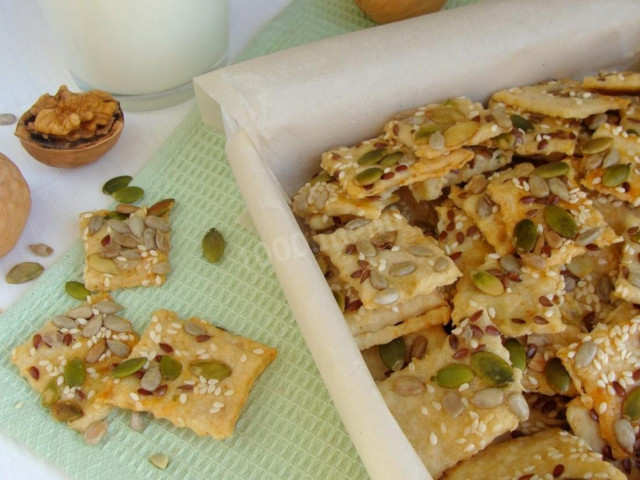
144,52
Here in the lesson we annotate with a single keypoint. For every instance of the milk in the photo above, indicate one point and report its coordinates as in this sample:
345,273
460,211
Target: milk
138,47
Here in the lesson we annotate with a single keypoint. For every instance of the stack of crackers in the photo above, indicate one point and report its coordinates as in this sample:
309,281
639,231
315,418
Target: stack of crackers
487,261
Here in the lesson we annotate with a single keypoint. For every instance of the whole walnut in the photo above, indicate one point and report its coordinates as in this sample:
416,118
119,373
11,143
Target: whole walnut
15,204
386,11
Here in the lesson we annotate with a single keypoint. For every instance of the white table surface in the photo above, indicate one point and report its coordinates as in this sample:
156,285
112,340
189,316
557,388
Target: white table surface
31,66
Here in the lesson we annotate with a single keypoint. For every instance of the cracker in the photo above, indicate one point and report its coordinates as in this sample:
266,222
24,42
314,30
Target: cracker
198,401
559,98
118,257
438,129
446,425
362,179
614,82
630,117
627,285
401,262
85,341
541,455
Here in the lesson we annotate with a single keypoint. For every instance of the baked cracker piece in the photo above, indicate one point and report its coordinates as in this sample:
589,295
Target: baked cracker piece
545,411
126,250
448,424
376,166
518,303
387,261
541,455
196,375
323,196
630,117
565,219
615,211
69,359
558,98
602,365
484,160
614,170
438,129
626,82
627,284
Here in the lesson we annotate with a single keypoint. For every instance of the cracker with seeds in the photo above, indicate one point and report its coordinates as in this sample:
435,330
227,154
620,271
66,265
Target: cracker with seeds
447,405
439,129
190,372
127,249
387,260
69,359
552,453
626,82
627,284
559,98
630,117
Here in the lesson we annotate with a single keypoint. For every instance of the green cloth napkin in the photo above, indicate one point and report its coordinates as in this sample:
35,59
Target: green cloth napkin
289,428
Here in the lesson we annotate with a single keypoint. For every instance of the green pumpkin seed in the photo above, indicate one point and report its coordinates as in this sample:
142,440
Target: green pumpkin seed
24,272
525,235
616,175
393,353
75,372
101,264
596,145
128,367
557,376
76,290
453,375
116,183
116,216
170,368
560,221
159,460
51,393
372,157
66,411
581,266
445,116
504,141
322,177
369,176
551,170
424,132
128,194
460,133
487,283
339,300
211,369
517,353
635,237
492,369
521,123
160,208
391,159
213,245
631,404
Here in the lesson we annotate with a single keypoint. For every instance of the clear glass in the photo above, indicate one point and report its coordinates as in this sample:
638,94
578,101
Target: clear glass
144,52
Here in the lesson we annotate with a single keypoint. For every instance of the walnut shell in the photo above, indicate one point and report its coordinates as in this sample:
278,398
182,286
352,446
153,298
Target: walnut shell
384,11
15,204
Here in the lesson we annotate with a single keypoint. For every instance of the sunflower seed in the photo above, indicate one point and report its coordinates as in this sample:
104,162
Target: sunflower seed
119,349
136,225
161,268
62,321
611,158
558,187
151,378
378,281
518,406
194,329
453,405
163,242
625,434
118,226
108,306
116,324
101,264
588,236
136,422
93,326
7,119
538,187
408,385
95,223
131,254
111,250
488,398
40,249
402,269
157,223
419,250
126,240
95,432
126,208
510,263
387,296
483,208
96,350
163,206
367,248
81,311
585,353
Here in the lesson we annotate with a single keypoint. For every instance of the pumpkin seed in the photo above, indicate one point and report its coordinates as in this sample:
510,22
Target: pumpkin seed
538,186
40,249
24,272
368,176
151,379
585,354
631,404
51,393
408,385
66,411
581,266
504,141
372,157
339,298
488,398
7,119
211,369
436,141
557,376
101,264
393,353
128,367
95,432
521,123
119,349
625,434
425,132
170,368
391,159
453,375
161,268
517,353
460,133
159,460
616,175
161,207
128,194
525,235
115,215
76,290
213,245
492,369
194,329
74,372
116,183
596,145
322,177
445,115
551,170
487,283
560,221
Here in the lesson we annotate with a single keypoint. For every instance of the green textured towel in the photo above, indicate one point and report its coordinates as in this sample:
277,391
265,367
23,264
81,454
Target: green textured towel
289,428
